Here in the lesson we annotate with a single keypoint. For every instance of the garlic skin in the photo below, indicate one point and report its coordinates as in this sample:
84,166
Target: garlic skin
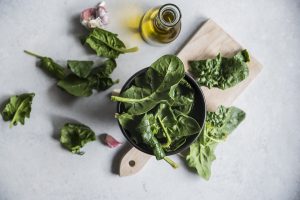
95,17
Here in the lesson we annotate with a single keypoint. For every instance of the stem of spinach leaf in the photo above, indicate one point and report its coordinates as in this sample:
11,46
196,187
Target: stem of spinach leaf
33,54
133,49
171,162
17,113
125,100
169,141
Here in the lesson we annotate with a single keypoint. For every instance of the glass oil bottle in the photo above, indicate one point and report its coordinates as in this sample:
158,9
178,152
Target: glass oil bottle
161,25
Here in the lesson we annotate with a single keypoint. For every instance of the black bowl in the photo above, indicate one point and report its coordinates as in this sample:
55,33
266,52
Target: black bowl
198,113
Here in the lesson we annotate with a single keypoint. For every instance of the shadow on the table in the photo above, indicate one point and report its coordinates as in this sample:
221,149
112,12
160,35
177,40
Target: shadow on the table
79,32
3,101
102,137
102,110
115,166
133,25
123,149
199,21
60,97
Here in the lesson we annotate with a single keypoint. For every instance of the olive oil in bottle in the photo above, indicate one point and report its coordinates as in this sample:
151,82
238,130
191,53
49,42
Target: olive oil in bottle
161,25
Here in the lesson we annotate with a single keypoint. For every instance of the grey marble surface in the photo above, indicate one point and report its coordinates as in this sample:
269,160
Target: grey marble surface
260,160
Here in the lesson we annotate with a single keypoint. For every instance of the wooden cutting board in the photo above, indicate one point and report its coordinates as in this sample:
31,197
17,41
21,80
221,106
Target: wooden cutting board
207,42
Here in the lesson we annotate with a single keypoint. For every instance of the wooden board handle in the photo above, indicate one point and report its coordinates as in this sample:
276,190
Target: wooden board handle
133,161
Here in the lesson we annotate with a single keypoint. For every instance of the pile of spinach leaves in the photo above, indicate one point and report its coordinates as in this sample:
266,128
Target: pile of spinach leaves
157,107
80,78
221,72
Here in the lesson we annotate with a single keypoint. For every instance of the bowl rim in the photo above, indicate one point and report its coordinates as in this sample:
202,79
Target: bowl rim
185,145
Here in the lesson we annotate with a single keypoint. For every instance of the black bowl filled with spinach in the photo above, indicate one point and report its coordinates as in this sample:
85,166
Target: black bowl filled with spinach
161,109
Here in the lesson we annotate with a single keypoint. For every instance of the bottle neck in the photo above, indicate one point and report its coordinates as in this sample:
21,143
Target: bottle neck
159,25
167,17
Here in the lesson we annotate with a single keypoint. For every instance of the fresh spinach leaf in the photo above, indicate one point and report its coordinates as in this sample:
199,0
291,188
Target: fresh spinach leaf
97,78
106,68
218,126
100,76
80,68
135,92
221,72
130,122
103,83
74,136
148,138
106,44
175,125
183,97
171,70
76,86
18,108
176,144
49,66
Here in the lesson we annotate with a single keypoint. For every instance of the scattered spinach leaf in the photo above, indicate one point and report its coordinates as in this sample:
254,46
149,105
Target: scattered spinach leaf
80,68
100,76
18,108
106,68
106,44
74,136
218,126
76,86
49,66
221,72
103,83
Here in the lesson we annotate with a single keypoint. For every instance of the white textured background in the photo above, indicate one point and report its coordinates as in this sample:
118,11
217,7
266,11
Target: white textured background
260,160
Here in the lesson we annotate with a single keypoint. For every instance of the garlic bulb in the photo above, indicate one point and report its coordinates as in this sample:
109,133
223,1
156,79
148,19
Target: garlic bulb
95,17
